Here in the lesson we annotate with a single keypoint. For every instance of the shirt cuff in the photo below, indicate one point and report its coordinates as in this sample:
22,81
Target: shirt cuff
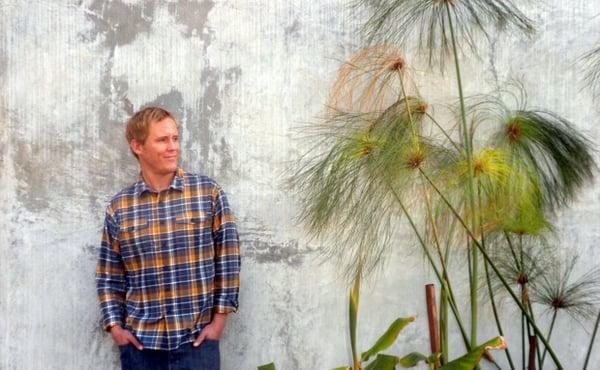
225,309
109,326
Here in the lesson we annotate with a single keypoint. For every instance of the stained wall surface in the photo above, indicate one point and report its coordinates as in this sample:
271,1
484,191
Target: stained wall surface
241,76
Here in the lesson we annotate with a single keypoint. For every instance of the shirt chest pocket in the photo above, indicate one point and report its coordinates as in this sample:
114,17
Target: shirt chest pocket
136,237
194,227
194,220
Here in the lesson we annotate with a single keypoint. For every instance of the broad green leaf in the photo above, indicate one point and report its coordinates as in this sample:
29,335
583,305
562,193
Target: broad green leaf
353,307
389,337
413,359
383,362
471,359
270,366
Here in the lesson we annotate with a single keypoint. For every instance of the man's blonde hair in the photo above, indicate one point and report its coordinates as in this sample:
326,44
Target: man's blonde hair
138,125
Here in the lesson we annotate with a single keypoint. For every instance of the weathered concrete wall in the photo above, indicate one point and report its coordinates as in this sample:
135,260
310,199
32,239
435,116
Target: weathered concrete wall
240,75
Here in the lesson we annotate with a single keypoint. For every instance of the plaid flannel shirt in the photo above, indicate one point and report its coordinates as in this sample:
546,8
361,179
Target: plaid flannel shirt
168,260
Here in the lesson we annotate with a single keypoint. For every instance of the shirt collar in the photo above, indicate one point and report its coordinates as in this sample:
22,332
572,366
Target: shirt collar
141,186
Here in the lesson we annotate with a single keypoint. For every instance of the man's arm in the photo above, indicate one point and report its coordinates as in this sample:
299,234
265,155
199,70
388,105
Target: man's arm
227,266
111,284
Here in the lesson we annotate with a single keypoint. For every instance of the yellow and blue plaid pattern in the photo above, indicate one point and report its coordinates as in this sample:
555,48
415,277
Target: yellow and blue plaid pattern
168,260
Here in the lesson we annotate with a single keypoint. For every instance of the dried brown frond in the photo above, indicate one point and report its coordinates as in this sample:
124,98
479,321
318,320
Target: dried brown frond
368,81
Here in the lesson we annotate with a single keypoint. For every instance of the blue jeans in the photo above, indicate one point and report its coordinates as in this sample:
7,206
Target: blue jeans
186,357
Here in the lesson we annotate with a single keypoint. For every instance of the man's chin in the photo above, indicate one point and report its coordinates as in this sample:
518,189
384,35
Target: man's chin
167,170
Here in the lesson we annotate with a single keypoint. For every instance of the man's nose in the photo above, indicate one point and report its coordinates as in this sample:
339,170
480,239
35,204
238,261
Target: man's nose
173,145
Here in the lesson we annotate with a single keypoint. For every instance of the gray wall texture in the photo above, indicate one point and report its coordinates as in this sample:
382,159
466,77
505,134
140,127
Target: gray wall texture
240,76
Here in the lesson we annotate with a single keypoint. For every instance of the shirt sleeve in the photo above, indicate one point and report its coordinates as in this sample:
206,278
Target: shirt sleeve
227,255
110,275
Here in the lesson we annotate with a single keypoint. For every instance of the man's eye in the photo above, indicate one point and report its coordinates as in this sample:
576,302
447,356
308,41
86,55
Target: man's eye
176,138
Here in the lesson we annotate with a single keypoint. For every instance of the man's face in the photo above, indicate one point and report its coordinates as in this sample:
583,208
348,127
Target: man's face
159,153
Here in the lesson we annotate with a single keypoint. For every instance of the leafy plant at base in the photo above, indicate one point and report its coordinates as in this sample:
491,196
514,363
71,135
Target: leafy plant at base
375,165
389,362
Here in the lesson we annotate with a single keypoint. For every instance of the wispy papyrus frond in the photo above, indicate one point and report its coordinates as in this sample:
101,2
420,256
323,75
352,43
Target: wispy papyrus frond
427,22
558,290
543,146
348,191
522,261
368,81
591,61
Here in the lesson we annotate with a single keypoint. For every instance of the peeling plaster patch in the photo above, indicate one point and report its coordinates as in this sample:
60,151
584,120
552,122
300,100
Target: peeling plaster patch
292,32
210,103
91,250
265,252
119,95
3,65
112,113
120,23
224,158
233,74
293,29
193,15
206,123
171,101
31,170
195,139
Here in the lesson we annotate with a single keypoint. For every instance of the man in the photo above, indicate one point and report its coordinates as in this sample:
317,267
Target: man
168,270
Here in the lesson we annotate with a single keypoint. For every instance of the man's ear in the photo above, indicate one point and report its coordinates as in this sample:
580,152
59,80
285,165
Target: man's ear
136,146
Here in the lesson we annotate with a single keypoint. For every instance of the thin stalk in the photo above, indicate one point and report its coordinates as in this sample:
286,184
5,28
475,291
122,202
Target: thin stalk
410,119
469,155
512,250
589,351
444,280
353,314
445,344
452,300
549,333
522,285
523,340
487,278
496,271
538,354
496,316
443,132
444,324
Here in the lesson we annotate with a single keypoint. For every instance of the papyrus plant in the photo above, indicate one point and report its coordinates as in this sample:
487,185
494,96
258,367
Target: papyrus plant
384,156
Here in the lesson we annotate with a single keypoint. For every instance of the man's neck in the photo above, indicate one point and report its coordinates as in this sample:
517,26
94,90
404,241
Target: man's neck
156,181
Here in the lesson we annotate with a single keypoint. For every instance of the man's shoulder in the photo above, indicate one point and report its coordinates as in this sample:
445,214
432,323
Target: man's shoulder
125,193
195,179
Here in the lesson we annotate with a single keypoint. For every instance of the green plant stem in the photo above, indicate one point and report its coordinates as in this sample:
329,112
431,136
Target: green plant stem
443,318
469,155
444,325
353,312
512,250
524,361
496,316
443,132
445,344
496,271
549,332
538,354
523,355
589,351
487,279
444,278
403,89
452,300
